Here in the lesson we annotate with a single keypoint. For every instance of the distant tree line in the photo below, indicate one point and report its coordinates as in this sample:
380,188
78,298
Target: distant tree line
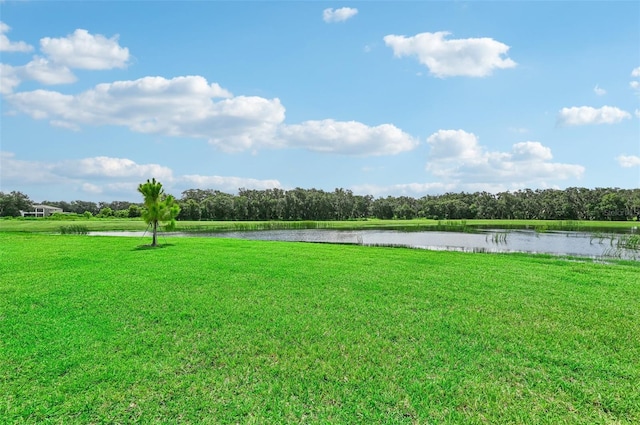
573,203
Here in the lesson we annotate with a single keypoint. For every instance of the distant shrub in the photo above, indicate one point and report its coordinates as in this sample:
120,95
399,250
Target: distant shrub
106,212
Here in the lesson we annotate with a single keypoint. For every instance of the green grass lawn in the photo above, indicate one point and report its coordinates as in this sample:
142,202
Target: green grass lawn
101,330
49,225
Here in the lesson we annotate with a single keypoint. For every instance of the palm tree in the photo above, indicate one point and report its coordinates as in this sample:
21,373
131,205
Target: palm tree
158,207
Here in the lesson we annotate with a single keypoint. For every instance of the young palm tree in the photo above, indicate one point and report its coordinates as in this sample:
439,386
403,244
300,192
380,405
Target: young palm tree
158,207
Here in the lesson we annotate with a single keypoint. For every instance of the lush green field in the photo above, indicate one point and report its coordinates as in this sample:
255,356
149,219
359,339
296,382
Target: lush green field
100,330
106,224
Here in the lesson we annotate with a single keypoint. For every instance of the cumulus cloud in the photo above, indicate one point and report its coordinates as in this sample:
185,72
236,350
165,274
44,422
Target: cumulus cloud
7,45
454,144
82,50
13,171
635,85
584,115
9,78
338,15
46,72
226,184
403,189
118,177
118,189
457,156
628,161
110,168
182,106
470,57
599,90
348,137
95,168
192,107
530,151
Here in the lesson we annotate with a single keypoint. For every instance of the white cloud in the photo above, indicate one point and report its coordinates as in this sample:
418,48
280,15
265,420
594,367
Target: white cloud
79,50
637,112
348,137
45,72
82,50
76,170
457,156
629,161
9,78
225,184
64,124
530,151
11,46
599,90
182,106
187,107
18,171
119,190
338,15
454,144
584,115
405,189
110,168
91,188
114,177
471,57
635,85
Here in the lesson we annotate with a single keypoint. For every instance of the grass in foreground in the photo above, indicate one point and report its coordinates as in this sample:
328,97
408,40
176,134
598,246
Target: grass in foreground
95,329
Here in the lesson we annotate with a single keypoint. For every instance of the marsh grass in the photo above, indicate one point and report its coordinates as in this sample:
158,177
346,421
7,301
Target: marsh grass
94,330
628,242
74,229
106,224
240,226
498,237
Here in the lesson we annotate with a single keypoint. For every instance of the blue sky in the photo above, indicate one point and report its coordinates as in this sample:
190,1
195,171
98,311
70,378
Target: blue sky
383,98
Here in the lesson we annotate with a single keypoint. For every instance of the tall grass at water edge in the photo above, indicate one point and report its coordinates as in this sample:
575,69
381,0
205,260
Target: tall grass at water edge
74,229
98,224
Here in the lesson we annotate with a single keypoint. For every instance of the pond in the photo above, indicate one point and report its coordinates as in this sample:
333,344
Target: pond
580,244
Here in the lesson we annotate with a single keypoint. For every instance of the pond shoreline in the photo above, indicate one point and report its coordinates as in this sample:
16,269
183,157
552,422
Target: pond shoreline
565,243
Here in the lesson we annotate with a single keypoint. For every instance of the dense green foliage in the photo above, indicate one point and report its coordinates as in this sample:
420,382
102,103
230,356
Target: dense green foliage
300,204
230,331
12,203
573,203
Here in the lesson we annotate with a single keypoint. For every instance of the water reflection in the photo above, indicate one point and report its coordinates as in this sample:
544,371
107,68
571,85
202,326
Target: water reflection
558,243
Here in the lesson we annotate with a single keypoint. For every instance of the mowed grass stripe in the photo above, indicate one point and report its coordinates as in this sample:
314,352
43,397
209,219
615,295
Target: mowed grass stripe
97,329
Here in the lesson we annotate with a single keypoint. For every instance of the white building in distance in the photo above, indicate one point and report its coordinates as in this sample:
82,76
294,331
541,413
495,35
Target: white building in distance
41,211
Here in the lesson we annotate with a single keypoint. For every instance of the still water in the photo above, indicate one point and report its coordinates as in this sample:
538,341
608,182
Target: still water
558,243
